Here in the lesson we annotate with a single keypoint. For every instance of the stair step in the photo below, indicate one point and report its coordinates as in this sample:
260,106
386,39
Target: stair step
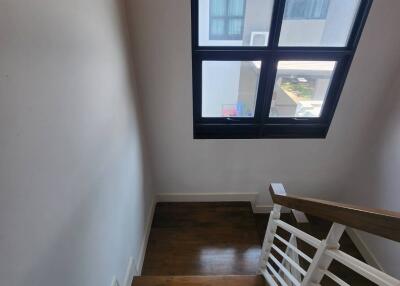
234,280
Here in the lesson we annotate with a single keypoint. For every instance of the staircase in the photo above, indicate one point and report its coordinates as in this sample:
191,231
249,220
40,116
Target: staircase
300,250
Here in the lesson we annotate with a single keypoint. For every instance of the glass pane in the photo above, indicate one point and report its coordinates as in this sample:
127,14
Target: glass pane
218,8
229,88
235,27
306,9
236,8
217,27
322,23
251,17
301,88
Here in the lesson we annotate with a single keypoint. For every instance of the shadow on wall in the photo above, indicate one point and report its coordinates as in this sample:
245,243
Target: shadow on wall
376,183
74,182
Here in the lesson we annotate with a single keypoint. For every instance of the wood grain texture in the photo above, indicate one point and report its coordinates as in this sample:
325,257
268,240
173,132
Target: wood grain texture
224,239
379,222
202,239
199,281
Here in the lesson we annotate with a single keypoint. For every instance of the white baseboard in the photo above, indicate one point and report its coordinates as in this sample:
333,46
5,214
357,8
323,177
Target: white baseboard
146,235
114,281
217,197
264,209
261,209
207,197
363,248
131,271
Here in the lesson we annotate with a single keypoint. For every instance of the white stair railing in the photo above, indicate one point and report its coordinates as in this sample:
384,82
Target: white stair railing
287,270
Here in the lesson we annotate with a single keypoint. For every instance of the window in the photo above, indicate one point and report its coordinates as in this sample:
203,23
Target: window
233,22
306,9
226,19
271,68
223,97
300,88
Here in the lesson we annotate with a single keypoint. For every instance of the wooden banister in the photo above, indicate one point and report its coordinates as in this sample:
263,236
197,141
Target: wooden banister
376,221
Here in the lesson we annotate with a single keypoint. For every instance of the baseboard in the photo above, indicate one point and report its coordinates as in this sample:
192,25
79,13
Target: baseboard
363,248
218,197
114,281
131,271
264,209
261,209
146,235
207,197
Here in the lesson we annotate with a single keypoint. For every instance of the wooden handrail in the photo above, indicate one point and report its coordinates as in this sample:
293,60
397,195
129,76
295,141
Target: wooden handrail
376,221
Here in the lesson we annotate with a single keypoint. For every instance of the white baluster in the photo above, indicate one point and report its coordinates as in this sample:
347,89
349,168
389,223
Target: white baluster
269,236
321,261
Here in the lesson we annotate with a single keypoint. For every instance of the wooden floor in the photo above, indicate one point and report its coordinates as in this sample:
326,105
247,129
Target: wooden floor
202,239
199,281
222,239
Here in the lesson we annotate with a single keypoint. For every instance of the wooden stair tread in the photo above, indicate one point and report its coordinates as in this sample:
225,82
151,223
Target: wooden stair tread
231,280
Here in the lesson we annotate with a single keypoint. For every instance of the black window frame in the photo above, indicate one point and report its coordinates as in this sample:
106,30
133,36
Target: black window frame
261,125
226,18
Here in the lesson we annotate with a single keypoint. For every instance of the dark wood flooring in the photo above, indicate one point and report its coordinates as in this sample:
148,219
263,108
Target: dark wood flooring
223,239
199,281
202,239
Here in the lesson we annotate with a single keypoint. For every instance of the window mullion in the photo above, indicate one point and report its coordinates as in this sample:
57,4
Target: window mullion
270,72
227,4
276,24
262,87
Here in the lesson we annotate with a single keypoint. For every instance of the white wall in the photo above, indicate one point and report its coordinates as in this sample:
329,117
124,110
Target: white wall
307,167
375,182
73,195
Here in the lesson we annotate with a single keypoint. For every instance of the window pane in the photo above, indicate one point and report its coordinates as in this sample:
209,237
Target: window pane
236,8
306,9
301,88
235,27
323,23
229,88
248,21
217,27
218,8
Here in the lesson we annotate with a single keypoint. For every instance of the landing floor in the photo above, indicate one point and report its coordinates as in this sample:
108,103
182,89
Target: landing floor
202,239
222,239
